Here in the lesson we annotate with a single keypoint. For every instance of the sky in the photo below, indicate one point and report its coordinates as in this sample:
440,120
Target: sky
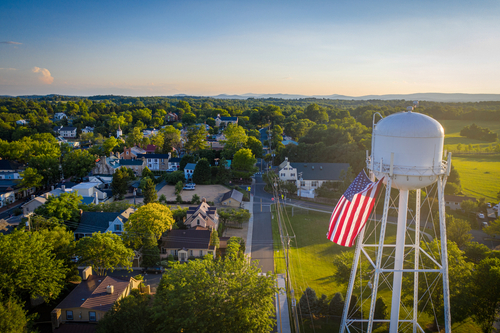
206,48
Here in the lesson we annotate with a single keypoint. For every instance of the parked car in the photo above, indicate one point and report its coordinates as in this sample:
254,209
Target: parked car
485,224
481,215
189,186
489,205
155,270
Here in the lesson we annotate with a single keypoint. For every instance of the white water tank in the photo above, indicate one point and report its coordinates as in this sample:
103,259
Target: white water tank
416,143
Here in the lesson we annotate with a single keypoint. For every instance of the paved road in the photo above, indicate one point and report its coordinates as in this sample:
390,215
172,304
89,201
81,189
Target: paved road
262,240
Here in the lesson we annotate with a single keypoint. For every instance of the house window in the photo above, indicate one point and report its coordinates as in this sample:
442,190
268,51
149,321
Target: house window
92,316
314,183
282,174
198,221
127,153
118,227
69,315
163,251
191,253
302,183
201,253
292,175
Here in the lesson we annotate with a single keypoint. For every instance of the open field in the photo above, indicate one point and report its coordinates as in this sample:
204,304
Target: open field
452,130
311,265
479,175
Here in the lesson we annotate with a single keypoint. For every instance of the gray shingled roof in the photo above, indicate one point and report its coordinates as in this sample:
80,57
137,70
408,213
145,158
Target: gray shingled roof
189,238
320,171
234,194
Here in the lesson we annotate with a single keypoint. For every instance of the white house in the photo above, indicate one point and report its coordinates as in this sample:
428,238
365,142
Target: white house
22,122
9,175
188,171
156,161
88,129
59,116
224,121
310,176
174,163
66,132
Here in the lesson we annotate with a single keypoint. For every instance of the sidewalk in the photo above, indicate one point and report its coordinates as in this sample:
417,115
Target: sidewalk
282,315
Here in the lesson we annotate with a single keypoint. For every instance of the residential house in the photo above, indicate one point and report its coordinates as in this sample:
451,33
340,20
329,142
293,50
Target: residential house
131,153
22,122
108,165
310,176
232,198
289,142
10,175
187,243
188,171
174,163
7,194
150,149
171,117
59,116
455,201
66,131
88,129
224,121
90,300
156,161
202,215
215,145
90,193
91,222
149,132
10,166
34,203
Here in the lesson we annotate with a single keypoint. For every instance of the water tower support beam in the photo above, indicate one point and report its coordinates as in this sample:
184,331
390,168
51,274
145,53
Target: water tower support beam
444,255
398,261
380,252
417,260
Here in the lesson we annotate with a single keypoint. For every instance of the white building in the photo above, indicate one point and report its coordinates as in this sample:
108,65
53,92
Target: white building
310,176
59,116
88,129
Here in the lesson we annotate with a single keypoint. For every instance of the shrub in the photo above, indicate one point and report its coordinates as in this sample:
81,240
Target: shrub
75,278
178,187
195,199
162,198
178,198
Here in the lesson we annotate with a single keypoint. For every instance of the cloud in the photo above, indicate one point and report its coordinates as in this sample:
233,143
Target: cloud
16,43
46,77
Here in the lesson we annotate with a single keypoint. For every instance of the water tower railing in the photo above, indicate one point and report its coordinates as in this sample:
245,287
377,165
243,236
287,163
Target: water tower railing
410,170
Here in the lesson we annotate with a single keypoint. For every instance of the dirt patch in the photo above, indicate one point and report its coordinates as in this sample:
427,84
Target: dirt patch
210,192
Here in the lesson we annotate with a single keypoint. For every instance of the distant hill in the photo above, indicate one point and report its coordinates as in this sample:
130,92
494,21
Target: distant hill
432,97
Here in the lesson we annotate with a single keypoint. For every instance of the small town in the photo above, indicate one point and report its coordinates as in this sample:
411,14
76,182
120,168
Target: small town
249,167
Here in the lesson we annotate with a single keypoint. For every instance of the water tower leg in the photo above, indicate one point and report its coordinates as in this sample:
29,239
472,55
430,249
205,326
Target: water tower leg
399,260
444,255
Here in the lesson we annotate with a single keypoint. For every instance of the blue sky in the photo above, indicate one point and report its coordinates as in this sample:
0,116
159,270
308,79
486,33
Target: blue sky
234,47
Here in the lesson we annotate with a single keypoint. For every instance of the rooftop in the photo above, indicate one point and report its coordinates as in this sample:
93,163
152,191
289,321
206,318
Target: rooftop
320,171
195,238
233,194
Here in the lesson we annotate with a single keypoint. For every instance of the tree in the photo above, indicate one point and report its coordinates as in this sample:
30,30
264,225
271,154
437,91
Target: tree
109,144
108,207
343,263
223,173
29,268
48,167
64,207
30,178
308,303
196,138
171,138
255,146
132,314
151,255
469,207
185,160
494,228
78,163
336,306
214,239
236,139
119,184
316,114
475,252
202,173
175,177
458,230
134,137
195,199
210,288
243,163
486,292
104,251
147,224
149,192
147,173
380,309
13,318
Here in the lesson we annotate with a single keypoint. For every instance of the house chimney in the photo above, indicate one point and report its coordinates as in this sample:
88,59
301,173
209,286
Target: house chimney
63,187
96,198
204,200
110,289
52,188
86,273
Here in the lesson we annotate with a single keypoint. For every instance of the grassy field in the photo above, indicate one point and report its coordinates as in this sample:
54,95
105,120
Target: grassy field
452,130
311,265
479,174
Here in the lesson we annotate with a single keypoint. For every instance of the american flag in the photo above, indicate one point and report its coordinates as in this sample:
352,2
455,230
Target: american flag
352,210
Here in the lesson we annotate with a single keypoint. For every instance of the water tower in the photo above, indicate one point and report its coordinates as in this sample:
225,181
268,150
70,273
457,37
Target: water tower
407,151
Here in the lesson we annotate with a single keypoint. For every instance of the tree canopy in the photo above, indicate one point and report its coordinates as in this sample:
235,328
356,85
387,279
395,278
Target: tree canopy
63,207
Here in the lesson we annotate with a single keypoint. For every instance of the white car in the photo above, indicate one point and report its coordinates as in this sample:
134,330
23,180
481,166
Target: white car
481,215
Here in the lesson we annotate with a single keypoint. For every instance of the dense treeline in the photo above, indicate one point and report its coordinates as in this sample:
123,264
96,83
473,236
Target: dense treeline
480,133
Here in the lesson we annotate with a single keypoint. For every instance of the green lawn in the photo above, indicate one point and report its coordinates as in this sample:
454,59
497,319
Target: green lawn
479,175
311,265
452,130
